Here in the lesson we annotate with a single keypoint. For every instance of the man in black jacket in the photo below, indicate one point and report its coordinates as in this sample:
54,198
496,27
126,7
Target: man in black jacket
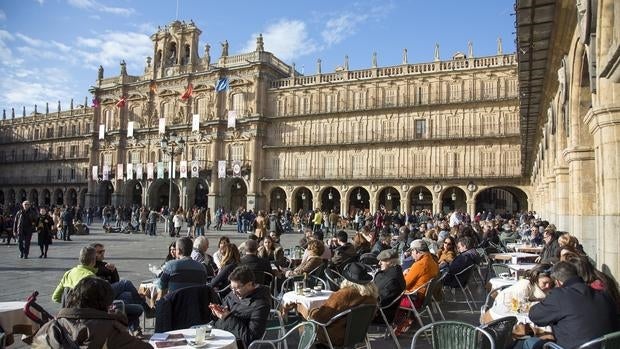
256,264
389,280
576,312
344,252
23,227
245,310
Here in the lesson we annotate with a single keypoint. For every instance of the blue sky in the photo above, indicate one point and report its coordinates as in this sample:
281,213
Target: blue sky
51,48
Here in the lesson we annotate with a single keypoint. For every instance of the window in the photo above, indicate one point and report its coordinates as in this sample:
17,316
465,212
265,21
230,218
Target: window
359,166
419,163
420,128
302,167
488,163
135,157
454,126
236,152
359,100
23,154
238,104
73,151
35,154
36,134
305,105
202,108
331,105
107,159
388,165
489,89
50,132
455,92
13,155
73,130
390,97
49,175
86,150
59,174
60,152
331,167
72,174
488,125
61,131
275,167
453,164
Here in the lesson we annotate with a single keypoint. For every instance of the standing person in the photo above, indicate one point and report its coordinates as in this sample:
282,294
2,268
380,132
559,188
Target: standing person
208,217
144,216
177,220
67,224
152,223
261,225
333,219
44,230
199,222
23,227
317,220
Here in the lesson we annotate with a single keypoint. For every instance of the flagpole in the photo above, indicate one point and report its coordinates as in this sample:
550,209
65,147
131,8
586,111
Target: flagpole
177,16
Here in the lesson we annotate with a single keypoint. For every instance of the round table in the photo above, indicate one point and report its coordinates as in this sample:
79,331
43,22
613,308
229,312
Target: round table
499,282
221,339
309,302
13,320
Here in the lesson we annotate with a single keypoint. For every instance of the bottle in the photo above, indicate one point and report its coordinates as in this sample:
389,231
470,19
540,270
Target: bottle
305,280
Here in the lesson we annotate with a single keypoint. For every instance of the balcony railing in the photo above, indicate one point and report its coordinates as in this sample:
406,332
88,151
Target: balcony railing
21,180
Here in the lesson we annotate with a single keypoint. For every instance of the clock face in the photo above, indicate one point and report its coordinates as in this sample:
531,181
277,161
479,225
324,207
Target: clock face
471,187
437,188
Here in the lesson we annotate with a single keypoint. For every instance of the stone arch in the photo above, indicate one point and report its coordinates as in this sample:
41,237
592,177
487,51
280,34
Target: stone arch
277,199
501,200
47,197
72,197
159,194
23,196
58,197
11,197
104,193
389,197
133,192
330,199
302,199
33,197
197,191
453,198
359,199
238,192
417,202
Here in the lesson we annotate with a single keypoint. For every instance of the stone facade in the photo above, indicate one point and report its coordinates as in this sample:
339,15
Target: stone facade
438,135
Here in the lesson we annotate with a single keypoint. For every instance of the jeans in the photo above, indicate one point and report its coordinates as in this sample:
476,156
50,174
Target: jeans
200,230
23,240
66,232
239,226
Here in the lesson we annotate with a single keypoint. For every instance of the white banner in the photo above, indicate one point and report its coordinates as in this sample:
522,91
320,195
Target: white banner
119,172
195,169
101,131
130,129
183,169
236,167
162,126
95,173
106,172
232,118
129,171
195,122
160,170
221,169
171,169
139,171
149,171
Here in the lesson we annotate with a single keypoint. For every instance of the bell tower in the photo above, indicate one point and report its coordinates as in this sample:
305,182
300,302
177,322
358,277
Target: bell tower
175,49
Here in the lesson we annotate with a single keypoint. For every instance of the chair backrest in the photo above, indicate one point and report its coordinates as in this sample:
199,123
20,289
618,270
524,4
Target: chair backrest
318,271
500,268
369,259
464,275
455,335
431,286
307,334
184,308
501,331
358,320
551,345
333,279
608,341
490,299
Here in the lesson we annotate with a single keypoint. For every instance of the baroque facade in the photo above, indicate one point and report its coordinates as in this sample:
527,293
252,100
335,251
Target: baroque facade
569,76
438,135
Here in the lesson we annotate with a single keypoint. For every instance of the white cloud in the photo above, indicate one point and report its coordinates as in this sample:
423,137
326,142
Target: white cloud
29,41
287,39
94,5
337,29
2,15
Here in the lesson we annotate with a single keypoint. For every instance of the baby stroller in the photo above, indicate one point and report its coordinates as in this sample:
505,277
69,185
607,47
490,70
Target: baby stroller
31,303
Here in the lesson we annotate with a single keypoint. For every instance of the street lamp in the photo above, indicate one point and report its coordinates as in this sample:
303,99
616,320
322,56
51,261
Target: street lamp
171,145
453,196
303,196
330,195
389,196
420,196
359,195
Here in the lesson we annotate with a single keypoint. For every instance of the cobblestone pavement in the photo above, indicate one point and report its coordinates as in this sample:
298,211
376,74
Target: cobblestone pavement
131,253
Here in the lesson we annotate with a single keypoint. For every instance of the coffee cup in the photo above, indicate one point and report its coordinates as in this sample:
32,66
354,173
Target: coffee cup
201,333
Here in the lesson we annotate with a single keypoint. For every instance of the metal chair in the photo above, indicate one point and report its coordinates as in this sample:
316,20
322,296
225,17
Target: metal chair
608,341
462,279
425,306
454,335
501,269
333,279
307,335
489,300
501,331
387,322
551,345
358,319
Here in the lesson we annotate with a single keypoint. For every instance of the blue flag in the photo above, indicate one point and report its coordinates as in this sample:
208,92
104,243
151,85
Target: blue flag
221,85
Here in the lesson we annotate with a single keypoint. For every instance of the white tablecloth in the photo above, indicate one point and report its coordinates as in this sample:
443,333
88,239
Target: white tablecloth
522,267
498,282
221,340
13,319
512,256
309,302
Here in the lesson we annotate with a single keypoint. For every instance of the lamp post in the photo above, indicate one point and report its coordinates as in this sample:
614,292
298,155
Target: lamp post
171,145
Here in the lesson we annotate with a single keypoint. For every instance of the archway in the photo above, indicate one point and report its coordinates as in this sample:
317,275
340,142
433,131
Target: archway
34,197
420,198
238,195
47,198
133,192
105,193
330,199
1,197
277,199
82,201
201,190
389,198
22,195
302,199
359,199
11,196
72,197
453,198
58,199
159,194
503,201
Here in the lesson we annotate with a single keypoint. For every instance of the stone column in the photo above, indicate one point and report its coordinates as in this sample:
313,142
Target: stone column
373,201
404,206
253,196
471,206
604,125
562,221
213,197
551,200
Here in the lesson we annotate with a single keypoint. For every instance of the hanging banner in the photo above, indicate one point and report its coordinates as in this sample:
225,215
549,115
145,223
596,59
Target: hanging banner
129,171
139,171
162,126
232,118
106,172
183,169
195,169
221,169
119,172
101,131
171,169
195,122
160,170
149,171
236,167
130,129
95,173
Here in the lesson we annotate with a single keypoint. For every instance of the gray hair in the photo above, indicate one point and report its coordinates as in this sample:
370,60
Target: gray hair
201,243
88,255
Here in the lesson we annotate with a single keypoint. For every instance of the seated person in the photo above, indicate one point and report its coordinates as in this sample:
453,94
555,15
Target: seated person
172,252
357,288
258,265
74,275
361,244
230,261
344,251
447,252
272,252
87,322
389,280
532,289
245,310
314,260
217,256
199,254
467,256
183,271
383,243
422,271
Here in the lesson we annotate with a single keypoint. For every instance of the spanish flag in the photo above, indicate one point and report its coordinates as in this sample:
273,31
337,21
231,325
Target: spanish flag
188,92
121,102
153,87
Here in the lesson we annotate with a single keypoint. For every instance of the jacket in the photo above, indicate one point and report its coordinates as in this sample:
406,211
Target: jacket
343,254
25,222
421,272
248,316
257,265
184,308
576,313
391,284
550,252
459,264
88,328
70,279
308,265
339,301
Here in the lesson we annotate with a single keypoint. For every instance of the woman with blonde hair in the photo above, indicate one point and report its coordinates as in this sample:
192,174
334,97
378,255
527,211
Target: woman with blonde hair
315,251
230,260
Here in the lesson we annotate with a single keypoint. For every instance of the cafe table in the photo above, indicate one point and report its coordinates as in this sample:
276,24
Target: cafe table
14,321
520,311
501,281
219,339
513,256
149,290
527,248
305,303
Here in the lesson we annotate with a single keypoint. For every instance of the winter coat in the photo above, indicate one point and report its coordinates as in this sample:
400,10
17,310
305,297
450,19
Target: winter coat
248,316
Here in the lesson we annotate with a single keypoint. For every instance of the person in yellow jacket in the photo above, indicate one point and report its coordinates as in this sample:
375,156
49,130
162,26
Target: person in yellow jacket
318,219
74,275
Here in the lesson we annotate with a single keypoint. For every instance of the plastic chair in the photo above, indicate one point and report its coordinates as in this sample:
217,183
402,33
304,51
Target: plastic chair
501,331
358,320
454,335
609,341
307,335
